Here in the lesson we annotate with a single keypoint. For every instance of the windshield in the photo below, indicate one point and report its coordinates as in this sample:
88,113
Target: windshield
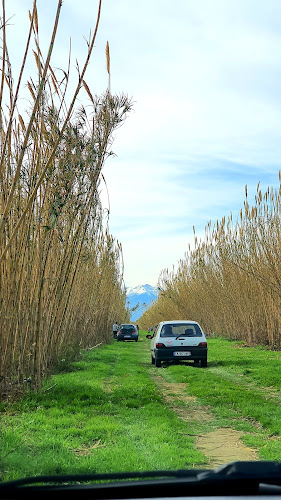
177,105
184,329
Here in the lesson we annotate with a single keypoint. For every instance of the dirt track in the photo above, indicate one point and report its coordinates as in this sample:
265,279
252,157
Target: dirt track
221,445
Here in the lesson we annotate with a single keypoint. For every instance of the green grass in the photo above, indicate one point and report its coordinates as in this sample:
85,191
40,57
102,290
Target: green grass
108,400
106,413
242,388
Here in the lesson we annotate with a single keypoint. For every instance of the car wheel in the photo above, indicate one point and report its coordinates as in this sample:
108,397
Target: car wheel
157,363
152,360
203,363
136,340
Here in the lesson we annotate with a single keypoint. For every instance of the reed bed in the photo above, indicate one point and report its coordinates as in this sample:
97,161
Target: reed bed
61,280
230,282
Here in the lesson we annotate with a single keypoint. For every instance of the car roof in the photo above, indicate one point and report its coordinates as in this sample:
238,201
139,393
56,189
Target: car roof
178,321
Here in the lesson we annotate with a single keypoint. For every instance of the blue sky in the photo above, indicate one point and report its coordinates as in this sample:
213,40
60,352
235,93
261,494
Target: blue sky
205,78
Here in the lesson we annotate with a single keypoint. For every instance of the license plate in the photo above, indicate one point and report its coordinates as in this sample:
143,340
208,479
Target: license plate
182,353
127,336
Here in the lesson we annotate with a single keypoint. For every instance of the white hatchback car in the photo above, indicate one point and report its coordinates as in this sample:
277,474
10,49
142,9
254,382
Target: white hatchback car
174,340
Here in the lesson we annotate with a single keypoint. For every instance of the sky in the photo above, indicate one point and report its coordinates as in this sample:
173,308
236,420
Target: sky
205,80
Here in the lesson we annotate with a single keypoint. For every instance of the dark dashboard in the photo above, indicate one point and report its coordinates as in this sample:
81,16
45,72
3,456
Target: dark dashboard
237,479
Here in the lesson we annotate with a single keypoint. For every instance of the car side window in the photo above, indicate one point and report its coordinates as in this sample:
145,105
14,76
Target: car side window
156,331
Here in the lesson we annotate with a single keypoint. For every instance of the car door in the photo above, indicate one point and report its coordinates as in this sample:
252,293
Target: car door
154,340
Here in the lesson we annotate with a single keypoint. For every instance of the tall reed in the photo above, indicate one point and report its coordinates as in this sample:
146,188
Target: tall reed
231,281
61,281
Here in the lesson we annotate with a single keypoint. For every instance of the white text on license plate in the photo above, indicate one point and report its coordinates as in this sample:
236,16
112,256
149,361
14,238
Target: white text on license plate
182,353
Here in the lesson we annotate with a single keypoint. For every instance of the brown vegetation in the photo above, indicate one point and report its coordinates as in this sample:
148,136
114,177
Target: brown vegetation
230,282
61,272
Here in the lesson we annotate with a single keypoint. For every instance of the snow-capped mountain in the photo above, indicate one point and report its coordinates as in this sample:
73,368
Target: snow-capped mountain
142,289
139,298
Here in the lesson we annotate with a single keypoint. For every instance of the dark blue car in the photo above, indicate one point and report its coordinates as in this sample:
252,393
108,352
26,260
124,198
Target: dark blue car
128,332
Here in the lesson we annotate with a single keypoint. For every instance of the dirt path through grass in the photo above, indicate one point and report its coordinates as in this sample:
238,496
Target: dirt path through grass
224,445
240,391
221,445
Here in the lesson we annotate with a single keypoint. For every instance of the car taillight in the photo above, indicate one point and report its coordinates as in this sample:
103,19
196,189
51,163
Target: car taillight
160,345
202,344
120,331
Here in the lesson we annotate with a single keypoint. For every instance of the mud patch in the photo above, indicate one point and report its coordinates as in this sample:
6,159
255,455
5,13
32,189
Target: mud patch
107,386
81,452
224,445
241,346
220,446
175,393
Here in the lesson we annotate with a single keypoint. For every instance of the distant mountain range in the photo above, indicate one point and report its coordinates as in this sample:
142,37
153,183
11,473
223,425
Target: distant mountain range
139,299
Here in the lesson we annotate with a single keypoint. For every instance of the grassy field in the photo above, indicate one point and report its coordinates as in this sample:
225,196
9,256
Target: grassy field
107,412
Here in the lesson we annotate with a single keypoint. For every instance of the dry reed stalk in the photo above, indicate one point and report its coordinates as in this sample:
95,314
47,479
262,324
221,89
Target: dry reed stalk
108,64
3,54
52,155
32,117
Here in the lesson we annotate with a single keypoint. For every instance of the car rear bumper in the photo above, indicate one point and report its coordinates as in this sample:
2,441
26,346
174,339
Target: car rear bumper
167,353
127,337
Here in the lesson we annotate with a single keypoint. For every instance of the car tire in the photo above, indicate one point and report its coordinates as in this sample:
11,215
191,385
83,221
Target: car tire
152,360
204,363
136,340
157,363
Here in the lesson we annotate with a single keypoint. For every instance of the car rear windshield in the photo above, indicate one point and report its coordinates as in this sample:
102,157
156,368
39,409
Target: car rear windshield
127,328
184,329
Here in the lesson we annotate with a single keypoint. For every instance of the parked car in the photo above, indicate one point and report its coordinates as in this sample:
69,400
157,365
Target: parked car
174,340
128,332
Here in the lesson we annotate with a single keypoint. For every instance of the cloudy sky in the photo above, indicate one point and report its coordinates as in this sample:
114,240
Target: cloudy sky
205,79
